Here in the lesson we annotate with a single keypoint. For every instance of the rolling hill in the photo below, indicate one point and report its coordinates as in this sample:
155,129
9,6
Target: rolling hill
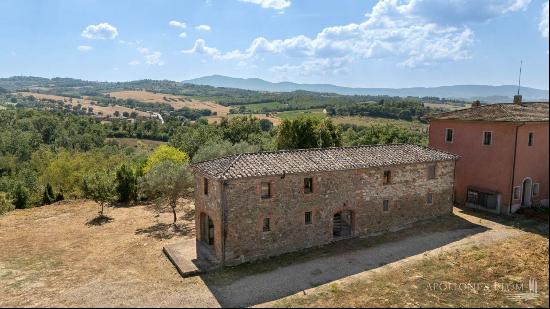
485,93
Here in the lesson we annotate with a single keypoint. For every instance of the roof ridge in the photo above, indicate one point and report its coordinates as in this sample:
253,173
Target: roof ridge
237,157
322,148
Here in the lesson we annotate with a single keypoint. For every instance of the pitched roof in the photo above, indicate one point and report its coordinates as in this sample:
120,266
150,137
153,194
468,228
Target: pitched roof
506,112
317,159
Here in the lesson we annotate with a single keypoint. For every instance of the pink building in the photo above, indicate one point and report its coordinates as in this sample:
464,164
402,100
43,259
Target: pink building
503,151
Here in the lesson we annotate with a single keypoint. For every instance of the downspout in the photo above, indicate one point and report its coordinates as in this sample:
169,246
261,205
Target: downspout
513,171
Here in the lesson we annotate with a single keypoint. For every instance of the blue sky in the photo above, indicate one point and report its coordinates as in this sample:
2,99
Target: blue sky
386,43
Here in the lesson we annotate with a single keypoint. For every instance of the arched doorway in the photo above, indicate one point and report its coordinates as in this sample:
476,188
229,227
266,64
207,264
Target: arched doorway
342,224
527,189
207,229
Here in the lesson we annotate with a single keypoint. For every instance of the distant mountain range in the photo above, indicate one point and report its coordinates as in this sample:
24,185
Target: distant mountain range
484,93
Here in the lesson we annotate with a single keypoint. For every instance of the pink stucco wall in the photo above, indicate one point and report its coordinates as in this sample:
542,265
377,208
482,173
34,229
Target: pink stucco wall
491,167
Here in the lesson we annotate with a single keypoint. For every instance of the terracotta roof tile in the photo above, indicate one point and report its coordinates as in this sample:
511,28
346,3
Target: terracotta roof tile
506,112
318,159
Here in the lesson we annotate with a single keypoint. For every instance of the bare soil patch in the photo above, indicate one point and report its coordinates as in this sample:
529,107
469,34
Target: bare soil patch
105,110
175,101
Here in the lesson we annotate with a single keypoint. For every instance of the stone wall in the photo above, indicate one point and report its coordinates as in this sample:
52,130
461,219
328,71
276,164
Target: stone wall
360,191
210,205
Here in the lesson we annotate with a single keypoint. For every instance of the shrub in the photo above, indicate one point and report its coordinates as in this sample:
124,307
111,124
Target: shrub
48,197
5,203
126,183
20,196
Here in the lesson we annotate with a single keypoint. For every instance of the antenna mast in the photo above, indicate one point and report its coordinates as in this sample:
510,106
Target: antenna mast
519,79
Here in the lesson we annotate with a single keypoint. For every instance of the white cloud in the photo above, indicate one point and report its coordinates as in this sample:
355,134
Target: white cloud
203,28
183,35
134,62
102,31
178,24
461,11
201,48
271,4
410,33
84,48
543,26
151,57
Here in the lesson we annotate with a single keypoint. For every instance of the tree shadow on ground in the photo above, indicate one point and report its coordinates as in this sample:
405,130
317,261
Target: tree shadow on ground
99,220
163,231
188,215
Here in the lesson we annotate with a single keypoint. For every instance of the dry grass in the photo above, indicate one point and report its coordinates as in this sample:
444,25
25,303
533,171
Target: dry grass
50,256
216,119
176,102
493,273
106,110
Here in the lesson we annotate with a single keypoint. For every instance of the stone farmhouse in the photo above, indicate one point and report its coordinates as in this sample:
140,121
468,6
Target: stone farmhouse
257,205
503,150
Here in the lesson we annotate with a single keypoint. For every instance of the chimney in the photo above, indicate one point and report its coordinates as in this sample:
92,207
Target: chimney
476,103
517,99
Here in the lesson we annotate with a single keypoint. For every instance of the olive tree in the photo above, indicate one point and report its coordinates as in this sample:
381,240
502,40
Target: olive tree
99,187
167,182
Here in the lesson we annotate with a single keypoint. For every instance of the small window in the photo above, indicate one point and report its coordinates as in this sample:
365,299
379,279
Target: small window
431,171
517,192
429,198
531,140
267,225
536,188
266,190
387,178
449,135
308,185
205,186
487,138
386,205
307,218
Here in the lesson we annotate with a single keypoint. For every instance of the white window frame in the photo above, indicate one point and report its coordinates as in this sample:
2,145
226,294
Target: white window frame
483,138
453,135
518,196
537,191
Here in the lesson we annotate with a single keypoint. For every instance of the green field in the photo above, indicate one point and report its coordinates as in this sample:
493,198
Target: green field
291,115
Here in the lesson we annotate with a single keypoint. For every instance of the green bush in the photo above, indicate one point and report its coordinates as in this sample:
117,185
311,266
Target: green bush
5,203
21,196
126,183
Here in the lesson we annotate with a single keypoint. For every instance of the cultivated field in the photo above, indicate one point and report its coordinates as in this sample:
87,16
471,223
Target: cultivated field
365,121
105,110
176,102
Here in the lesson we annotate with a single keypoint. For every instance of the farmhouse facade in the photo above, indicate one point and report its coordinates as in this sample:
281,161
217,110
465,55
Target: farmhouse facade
503,154
256,205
